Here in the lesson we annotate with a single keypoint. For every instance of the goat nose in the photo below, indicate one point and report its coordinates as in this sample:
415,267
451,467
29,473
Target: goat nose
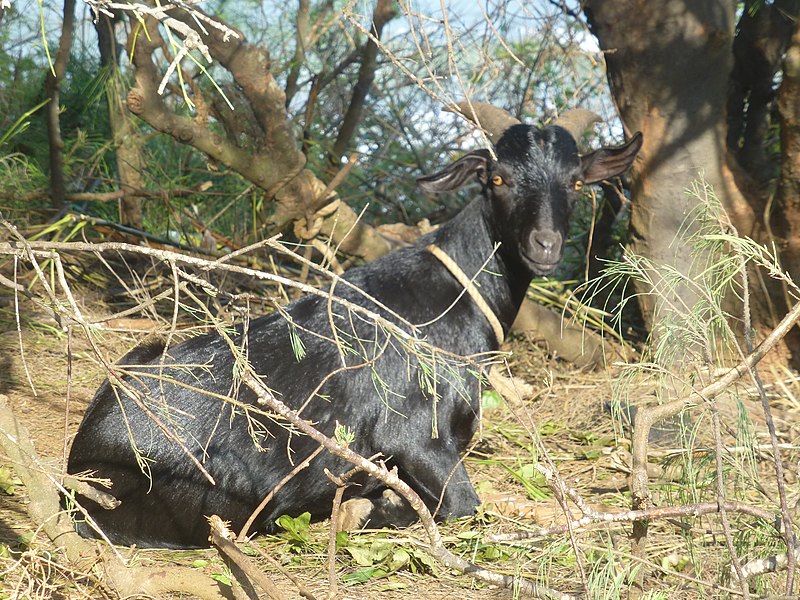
547,241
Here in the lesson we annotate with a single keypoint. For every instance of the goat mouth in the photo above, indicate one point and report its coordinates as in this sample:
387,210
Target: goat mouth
540,267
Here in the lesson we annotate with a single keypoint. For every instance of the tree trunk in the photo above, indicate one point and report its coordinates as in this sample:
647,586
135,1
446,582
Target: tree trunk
58,188
788,194
668,66
763,34
127,141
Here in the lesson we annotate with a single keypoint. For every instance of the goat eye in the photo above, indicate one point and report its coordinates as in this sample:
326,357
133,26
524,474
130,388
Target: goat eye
497,180
578,186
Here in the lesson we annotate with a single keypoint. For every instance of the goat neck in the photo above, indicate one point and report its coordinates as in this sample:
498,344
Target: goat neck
470,240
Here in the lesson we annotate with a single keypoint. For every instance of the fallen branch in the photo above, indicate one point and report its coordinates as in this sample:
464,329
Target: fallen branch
770,564
647,417
222,540
44,509
301,589
648,514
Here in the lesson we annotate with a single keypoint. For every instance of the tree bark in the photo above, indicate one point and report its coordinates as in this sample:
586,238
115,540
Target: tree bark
55,76
268,154
788,193
127,141
763,34
668,65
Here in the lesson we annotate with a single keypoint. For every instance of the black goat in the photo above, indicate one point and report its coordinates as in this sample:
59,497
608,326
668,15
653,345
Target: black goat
417,411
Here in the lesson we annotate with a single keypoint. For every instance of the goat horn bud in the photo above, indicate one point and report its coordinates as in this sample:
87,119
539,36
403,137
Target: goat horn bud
577,121
491,119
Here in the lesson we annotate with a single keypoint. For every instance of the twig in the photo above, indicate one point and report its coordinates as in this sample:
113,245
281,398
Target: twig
647,417
770,564
592,517
104,499
19,330
249,523
301,589
222,539
341,485
391,479
166,255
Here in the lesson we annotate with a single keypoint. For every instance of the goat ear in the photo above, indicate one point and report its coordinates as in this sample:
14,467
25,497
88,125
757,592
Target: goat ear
454,175
609,162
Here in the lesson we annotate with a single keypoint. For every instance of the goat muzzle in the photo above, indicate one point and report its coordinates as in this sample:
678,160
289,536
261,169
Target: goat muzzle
543,250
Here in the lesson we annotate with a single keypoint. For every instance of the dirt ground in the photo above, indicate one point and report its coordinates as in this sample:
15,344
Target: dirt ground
582,438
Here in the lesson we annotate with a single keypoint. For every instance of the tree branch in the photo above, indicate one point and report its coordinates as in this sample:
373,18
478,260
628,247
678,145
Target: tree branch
384,12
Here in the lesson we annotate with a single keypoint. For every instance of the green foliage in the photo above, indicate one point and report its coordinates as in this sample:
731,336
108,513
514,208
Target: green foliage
224,577
471,544
8,481
298,348
296,528
609,577
344,435
531,479
378,558
491,400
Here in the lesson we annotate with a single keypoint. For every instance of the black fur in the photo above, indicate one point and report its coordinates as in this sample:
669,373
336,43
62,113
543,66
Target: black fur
383,402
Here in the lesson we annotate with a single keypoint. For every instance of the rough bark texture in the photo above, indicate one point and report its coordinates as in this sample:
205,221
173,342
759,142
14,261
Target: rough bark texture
788,193
127,141
668,65
763,34
265,152
55,76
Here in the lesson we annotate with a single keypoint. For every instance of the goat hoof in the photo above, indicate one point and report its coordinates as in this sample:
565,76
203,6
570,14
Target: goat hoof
353,514
392,498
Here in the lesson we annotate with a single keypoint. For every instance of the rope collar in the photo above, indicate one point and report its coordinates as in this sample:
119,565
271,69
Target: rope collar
470,288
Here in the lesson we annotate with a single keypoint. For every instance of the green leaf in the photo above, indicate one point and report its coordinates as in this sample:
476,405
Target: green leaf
222,578
298,347
422,561
400,558
373,554
590,454
24,541
364,575
534,482
491,552
491,400
296,528
8,482
342,539
199,563
344,435
549,428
